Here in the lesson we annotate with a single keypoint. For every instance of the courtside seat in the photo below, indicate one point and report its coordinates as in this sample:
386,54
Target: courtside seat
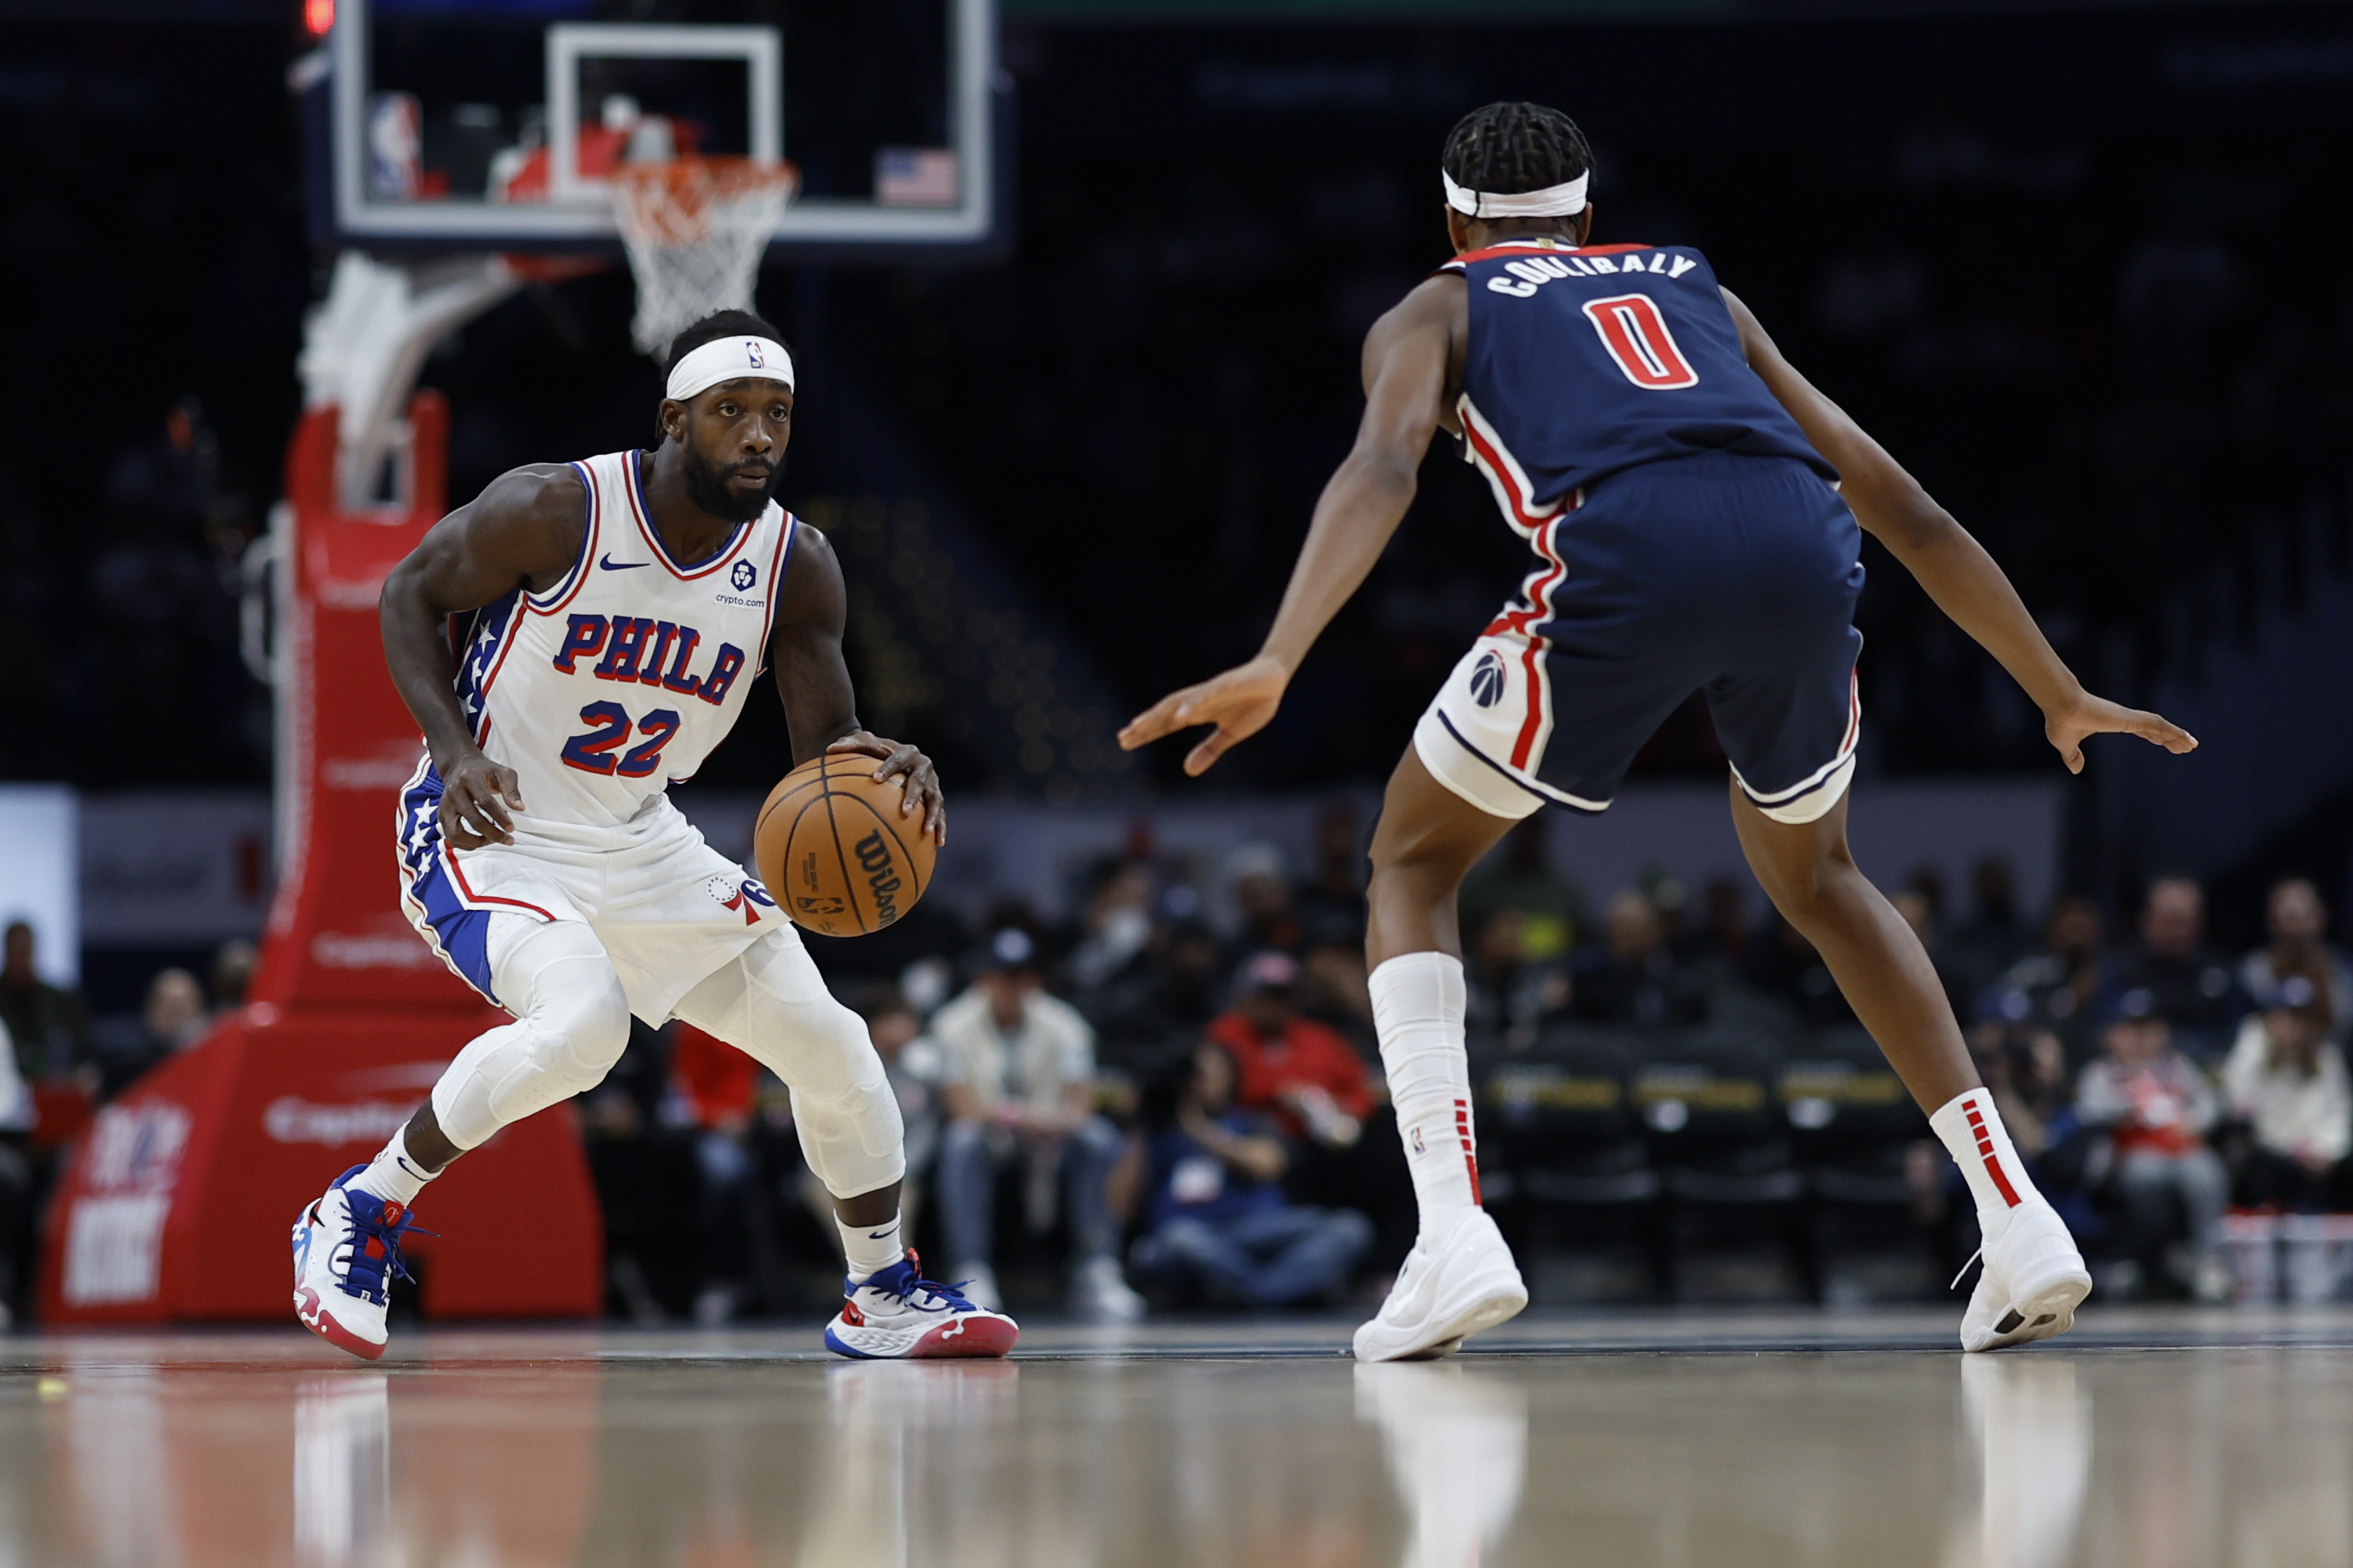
1851,1117
1559,1122
1853,1122
1568,1168
1733,1188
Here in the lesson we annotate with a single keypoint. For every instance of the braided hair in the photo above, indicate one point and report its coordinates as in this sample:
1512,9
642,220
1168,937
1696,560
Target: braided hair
1510,147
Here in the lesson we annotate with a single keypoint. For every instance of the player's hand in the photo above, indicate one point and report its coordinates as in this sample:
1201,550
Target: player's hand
478,800
920,788
2087,715
1240,703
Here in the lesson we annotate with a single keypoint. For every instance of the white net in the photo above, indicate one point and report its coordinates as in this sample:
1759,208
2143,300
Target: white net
695,228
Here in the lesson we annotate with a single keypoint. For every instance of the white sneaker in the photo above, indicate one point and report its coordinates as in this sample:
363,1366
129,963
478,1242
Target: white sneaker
1440,1298
2034,1281
1102,1293
346,1253
897,1314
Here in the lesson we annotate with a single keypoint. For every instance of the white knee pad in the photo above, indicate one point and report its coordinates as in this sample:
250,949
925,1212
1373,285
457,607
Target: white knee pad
771,1005
572,1022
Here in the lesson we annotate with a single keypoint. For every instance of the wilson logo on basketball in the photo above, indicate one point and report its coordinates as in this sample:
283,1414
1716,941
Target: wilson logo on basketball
1487,681
874,858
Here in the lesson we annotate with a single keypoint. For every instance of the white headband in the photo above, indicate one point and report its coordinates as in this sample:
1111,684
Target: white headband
1553,201
730,359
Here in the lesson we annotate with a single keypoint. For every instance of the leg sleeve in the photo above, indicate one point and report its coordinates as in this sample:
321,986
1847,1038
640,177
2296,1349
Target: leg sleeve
771,1005
572,1022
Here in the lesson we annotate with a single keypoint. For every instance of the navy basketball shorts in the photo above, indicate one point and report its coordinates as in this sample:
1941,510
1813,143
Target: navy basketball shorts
1736,576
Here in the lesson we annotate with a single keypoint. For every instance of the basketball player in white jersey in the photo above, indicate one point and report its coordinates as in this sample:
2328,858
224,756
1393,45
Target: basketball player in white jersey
621,609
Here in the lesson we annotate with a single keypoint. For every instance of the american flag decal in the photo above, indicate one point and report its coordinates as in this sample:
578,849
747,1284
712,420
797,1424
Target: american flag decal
915,177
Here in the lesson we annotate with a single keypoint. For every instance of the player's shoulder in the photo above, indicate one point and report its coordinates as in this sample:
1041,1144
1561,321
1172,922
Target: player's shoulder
548,492
1435,302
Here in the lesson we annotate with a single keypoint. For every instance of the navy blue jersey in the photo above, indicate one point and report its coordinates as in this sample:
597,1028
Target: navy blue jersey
1585,362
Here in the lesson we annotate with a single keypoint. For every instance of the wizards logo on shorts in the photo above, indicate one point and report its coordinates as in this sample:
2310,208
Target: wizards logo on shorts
1487,679
745,575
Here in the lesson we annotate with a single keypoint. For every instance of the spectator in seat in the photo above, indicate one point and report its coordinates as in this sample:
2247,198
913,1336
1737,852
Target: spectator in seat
1302,1073
1262,898
15,1179
2156,1107
1216,1224
1635,980
713,1087
2297,924
1018,1077
2191,985
2286,1079
1331,904
2059,987
234,962
1994,937
1519,876
48,1023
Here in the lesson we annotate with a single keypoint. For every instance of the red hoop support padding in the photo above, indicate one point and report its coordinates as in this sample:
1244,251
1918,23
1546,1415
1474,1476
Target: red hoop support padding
177,1201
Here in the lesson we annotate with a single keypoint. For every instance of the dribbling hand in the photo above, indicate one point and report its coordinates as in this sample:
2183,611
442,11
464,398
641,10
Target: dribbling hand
2068,727
1240,702
478,799
919,789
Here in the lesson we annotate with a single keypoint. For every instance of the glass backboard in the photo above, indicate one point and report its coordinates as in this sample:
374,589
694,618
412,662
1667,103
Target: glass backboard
493,123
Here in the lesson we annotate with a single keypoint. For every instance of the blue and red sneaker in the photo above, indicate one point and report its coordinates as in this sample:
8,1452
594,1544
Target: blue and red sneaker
346,1254
897,1314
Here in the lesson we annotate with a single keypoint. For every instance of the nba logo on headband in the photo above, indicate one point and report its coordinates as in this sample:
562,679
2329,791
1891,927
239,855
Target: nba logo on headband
752,352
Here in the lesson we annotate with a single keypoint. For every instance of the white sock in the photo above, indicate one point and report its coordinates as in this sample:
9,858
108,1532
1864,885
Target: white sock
1979,1144
393,1174
1418,1007
870,1249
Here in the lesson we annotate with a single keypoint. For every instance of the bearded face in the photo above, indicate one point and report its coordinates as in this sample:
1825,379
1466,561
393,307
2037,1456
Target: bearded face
723,491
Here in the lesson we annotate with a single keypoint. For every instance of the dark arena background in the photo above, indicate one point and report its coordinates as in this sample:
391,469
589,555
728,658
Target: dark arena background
2082,268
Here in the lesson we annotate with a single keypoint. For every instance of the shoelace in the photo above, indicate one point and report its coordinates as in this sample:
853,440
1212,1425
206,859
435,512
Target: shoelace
365,1275
951,1297
1965,1267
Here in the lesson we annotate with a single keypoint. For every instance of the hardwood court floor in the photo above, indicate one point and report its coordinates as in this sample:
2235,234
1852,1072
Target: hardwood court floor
2146,1439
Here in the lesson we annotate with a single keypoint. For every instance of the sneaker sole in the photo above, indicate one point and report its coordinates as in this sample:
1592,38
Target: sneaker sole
1442,1333
2044,1312
322,1323
982,1335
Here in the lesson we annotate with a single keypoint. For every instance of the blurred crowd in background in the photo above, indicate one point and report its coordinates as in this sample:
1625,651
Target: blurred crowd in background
1174,1100
2104,323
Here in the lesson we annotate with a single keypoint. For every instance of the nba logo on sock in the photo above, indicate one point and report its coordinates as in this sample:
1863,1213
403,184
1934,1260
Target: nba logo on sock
1487,679
1418,1147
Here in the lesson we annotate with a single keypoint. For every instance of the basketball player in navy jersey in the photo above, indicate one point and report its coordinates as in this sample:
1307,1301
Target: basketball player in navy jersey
616,614
1694,506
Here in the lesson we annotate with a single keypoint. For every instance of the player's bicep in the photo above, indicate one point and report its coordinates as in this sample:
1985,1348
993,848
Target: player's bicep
812,677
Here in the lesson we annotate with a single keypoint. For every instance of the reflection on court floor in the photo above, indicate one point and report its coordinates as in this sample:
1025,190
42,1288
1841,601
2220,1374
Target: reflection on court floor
1673,1440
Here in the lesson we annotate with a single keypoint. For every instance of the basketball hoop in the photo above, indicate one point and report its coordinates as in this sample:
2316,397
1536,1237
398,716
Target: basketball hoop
695,228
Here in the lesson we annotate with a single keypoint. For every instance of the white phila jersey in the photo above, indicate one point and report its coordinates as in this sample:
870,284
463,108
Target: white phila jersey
625,675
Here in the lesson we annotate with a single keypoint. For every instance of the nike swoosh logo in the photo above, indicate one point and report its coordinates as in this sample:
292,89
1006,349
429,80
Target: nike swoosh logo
879,1234
609,565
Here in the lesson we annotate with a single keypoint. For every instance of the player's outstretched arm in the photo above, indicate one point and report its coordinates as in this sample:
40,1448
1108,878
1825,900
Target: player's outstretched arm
524,531
812,681
1408,358
1965,582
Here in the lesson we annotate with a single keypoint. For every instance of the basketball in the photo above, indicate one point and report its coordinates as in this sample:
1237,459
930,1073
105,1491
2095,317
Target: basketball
834,849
